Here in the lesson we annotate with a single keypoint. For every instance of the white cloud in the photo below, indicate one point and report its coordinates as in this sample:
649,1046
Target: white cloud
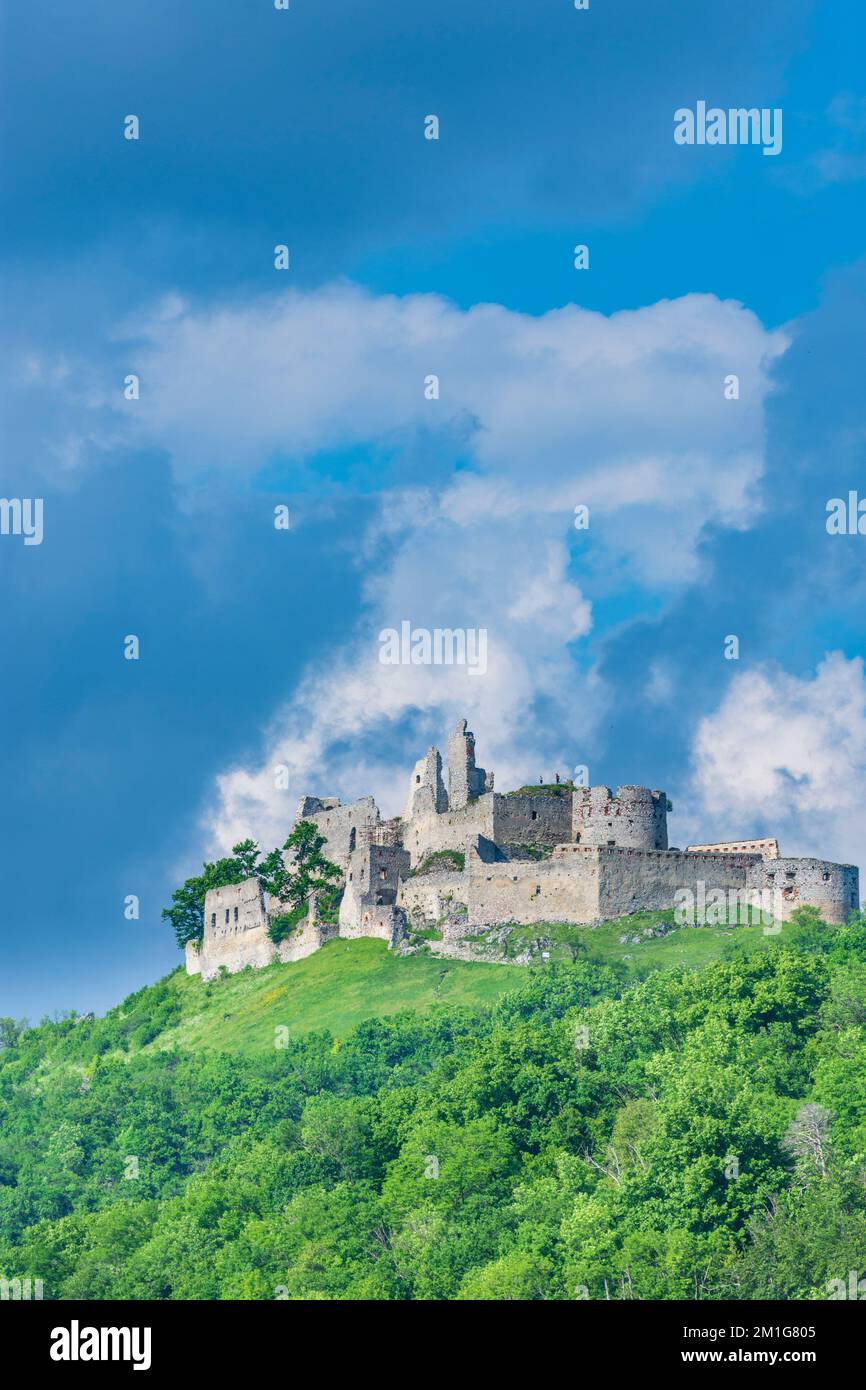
622,413
625,414
787,755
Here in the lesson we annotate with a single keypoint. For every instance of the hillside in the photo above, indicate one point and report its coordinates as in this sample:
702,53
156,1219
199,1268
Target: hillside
347,982
437,1129
335,989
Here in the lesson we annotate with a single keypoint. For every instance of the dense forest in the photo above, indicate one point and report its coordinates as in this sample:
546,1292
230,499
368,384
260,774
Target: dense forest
693,1134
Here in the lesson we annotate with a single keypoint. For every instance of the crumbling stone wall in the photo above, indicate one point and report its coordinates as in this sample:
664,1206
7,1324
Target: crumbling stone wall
192,955
235,929
373,877
427,793
387,923
586,884
345,828
532,820
388,832
451,830
465,780
634,817
833,888
553,890
304,940
427,899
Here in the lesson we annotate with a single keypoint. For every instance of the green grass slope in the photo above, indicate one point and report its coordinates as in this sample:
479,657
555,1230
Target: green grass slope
338,987
347,982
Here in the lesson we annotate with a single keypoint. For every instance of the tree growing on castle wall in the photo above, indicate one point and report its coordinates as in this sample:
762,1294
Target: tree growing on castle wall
291,875
186,913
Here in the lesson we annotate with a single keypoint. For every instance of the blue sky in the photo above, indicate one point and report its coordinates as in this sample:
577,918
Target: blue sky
258,387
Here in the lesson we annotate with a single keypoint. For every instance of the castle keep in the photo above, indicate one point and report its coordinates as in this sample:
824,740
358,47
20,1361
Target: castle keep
468,858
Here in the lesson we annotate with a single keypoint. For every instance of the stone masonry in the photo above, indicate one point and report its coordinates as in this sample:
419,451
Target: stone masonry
545,854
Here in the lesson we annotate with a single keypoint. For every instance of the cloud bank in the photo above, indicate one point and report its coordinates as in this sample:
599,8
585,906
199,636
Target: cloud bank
626,415
787,755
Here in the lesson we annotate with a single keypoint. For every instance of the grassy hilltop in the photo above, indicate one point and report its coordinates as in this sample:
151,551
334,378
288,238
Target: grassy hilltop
677,1115
347,982
335,989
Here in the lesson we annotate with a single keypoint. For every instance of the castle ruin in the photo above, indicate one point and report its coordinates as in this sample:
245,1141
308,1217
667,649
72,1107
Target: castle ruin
469,858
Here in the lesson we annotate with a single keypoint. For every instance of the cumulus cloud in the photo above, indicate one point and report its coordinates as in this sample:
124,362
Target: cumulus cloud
786,755
625,414
321,734
630,407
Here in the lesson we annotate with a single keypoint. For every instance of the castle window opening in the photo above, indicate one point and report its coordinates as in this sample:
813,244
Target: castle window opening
611,843
826,875
383,873
213,919
418,777
227,916
236,914
352,839
790,875
535,815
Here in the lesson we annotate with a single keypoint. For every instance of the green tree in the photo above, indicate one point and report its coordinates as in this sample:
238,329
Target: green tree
293,873
186,913
11,1030
516,1278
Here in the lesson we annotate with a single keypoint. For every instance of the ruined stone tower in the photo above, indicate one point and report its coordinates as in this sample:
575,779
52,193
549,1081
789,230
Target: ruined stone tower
633,818
426,790
465,780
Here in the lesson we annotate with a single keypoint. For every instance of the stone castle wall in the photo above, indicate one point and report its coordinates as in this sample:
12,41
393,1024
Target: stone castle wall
532,820
373,878
427,899
466,781
769,849
451,830
345,827
833,888
304,940
385,922
427,794
235,930
581,856
646,880
552,890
